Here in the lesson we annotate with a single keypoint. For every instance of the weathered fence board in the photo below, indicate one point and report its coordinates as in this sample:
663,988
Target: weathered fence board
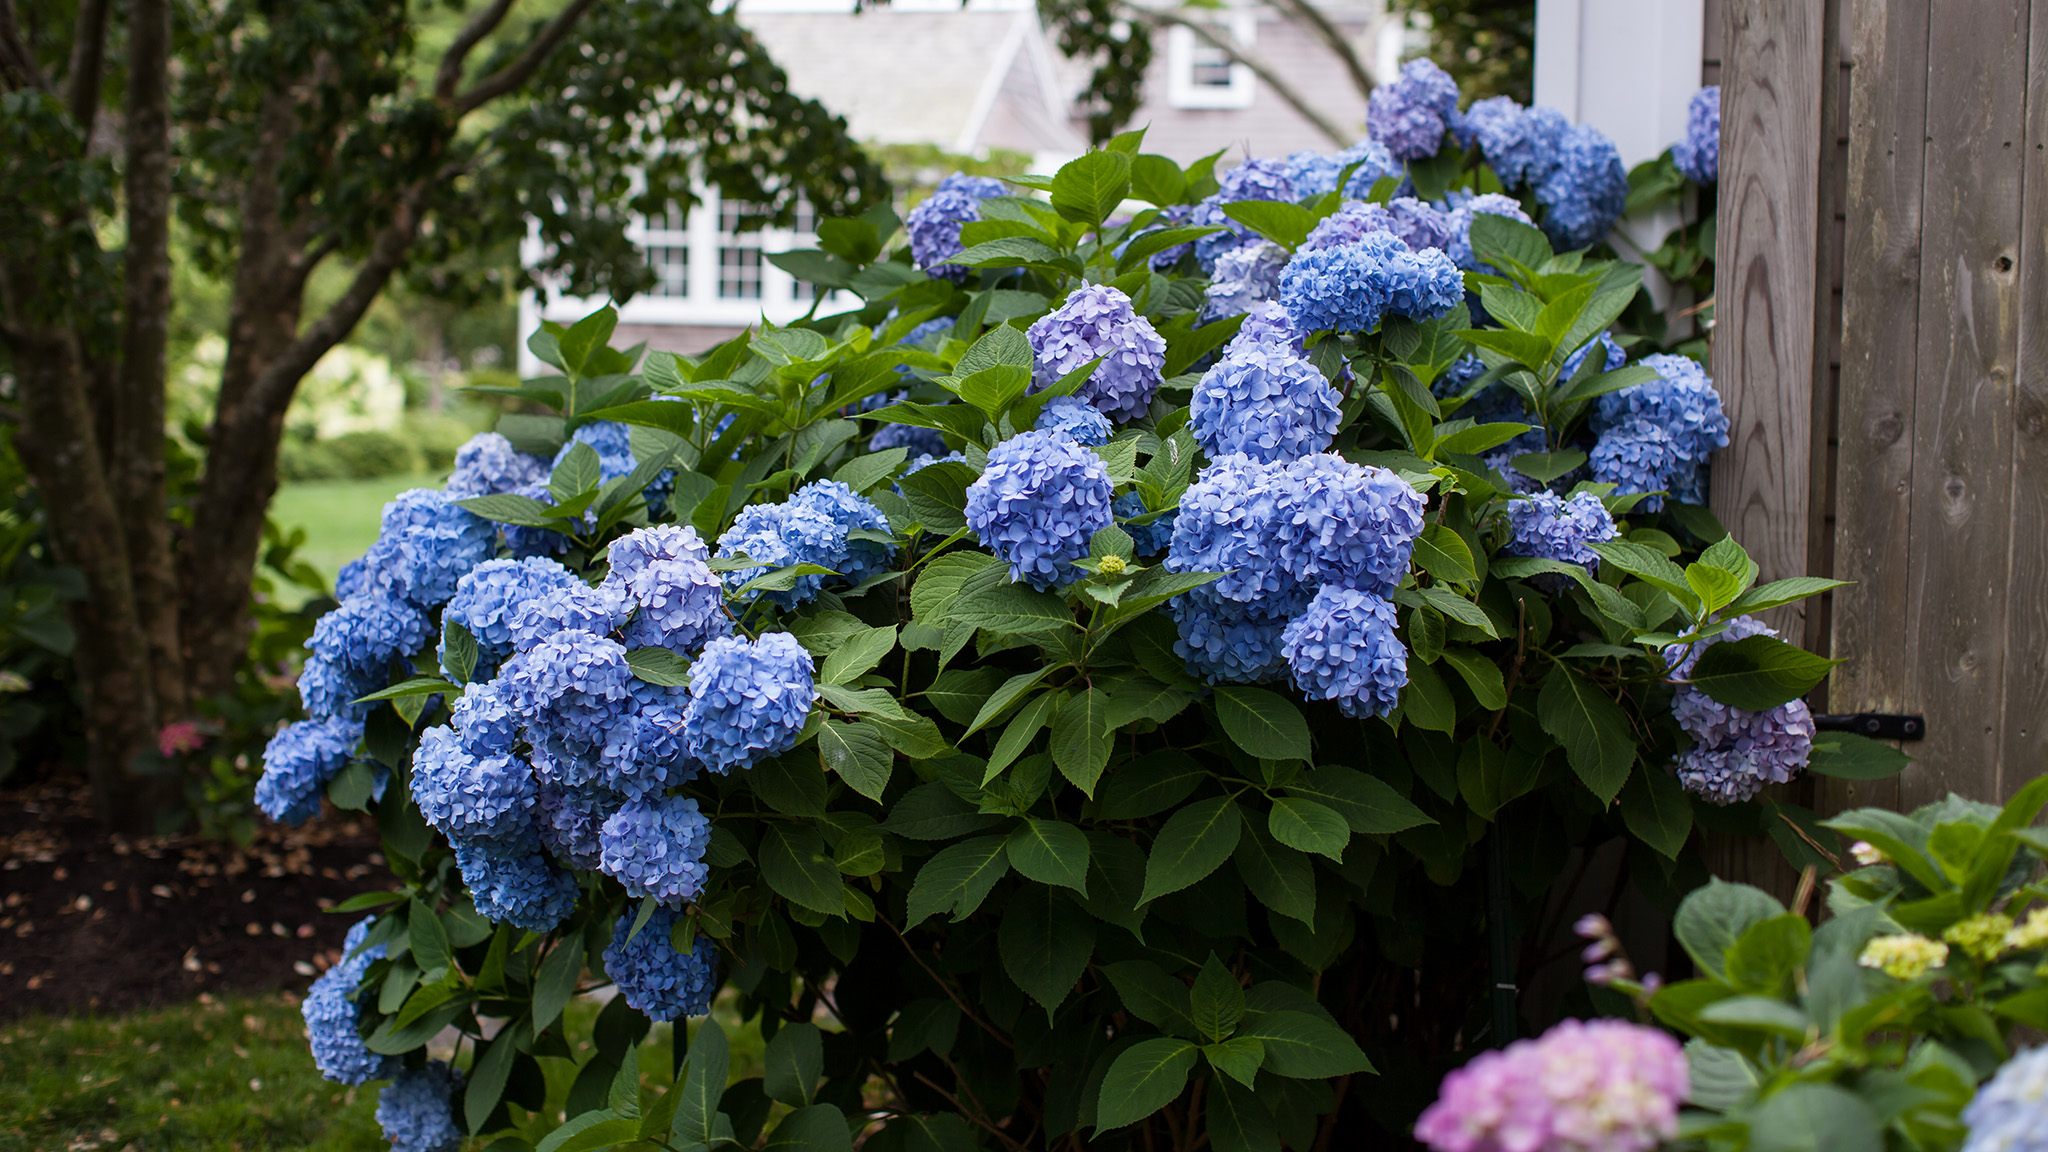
2024,735
1961,526
1767,290
1880,352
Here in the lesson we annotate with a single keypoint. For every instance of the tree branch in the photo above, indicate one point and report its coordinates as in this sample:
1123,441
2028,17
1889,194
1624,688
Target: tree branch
1305,12
272,389
1281,88
514,74
17,63
472,34
88,53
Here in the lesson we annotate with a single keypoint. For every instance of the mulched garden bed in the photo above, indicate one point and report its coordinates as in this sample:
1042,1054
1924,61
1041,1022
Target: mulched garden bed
95,922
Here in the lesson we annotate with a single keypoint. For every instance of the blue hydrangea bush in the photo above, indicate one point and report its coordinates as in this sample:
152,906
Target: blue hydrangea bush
1071,697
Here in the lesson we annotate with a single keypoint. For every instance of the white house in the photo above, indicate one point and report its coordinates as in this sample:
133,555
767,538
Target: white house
972,80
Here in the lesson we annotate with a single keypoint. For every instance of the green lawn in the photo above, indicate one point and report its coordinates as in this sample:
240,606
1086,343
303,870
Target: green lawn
339,516
233,1076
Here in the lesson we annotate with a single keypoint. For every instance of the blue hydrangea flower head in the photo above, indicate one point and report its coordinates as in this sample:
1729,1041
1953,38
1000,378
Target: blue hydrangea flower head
513,882
1682,400
1243,277
426,544
2010,1112
1612,357
656,848
1098,321
647,751
487,594
1351,288
979,187
1736,752
1549,527
1146,539
1374,162
679,601
368,632
1075,417
488,463
1225,641
1411,115
1040,499
919,441
757,534
934,227
1520,144
1419,225
613,443
574,606
1698,156
1344,648
355,577
569,826
748,700
1266,324
417,1109
299,761
1266,402
330,690
1310,173
1254,179
1345,289
664,984
1583,195
1352,525
1348,225
331,1012
470,797
1228,522
573,685
1460,226
854,560
480,716
1639,455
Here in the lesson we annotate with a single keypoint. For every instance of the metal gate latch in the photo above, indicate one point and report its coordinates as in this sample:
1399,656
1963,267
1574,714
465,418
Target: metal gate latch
1876,725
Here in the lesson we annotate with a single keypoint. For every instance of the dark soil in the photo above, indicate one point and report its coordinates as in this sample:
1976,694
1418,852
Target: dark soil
95,922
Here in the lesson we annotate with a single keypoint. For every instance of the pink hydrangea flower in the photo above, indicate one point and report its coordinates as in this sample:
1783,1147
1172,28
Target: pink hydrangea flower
1583,1086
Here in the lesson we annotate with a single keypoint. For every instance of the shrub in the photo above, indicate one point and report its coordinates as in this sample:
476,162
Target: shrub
1060,836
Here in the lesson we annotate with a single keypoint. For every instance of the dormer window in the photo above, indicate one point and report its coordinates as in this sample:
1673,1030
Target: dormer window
1202,75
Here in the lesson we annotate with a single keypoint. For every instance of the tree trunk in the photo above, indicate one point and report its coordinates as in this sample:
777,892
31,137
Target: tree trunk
136,397
112,659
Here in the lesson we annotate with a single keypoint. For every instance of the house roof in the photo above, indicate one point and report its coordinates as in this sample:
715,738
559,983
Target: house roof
963,80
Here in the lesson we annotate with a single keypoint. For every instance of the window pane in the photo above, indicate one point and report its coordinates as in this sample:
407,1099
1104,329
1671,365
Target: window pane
1209,67
671,267
739,273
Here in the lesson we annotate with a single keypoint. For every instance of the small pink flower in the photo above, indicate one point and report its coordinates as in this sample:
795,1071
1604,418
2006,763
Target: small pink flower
179,736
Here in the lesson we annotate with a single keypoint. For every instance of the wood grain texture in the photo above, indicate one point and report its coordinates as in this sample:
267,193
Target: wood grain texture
1880,352
1767,268
1773,334
1961,513
2024,728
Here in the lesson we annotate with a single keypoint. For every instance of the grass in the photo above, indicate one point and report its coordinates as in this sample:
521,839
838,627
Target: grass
340,516
233,1075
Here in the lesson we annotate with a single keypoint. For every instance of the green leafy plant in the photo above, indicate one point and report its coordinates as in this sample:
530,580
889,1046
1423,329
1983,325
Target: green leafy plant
1023,880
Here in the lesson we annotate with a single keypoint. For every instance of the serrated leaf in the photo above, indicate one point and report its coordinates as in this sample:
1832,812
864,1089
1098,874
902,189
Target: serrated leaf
1444,554
659,666
1264,724
1045,942
1146,1078
958,878
1080,741
1050,852
1308,826
797,866
858,753
1758,673
1595,732
1194,841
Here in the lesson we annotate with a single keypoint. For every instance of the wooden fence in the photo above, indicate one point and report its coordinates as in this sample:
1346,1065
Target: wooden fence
1882,322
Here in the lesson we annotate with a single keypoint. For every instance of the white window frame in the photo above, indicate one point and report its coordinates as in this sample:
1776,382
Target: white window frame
1182,50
